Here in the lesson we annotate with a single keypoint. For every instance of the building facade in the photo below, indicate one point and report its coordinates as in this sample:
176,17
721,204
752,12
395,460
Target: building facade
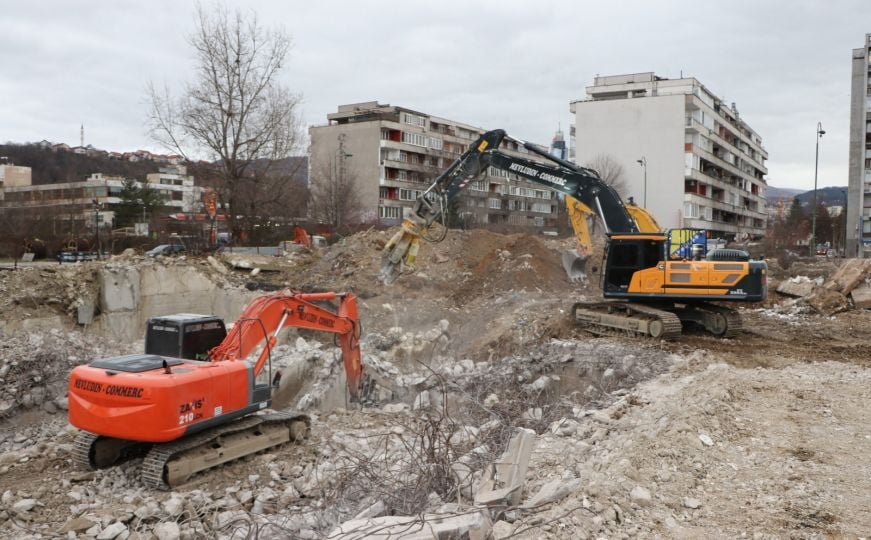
859,191
71,205
12,175
686,156
394,153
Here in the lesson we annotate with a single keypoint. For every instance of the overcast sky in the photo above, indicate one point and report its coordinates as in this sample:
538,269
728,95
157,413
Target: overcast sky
506,64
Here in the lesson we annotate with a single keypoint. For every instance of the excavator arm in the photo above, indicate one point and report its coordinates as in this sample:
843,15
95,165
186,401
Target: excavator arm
581,183
265,317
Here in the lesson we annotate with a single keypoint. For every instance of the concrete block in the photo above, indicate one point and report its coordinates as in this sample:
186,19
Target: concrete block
827,302
503,483
119,289
473,526
85,313
861,296
796,287
553,491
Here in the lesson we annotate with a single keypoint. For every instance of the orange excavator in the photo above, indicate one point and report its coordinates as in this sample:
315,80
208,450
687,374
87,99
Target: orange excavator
188,402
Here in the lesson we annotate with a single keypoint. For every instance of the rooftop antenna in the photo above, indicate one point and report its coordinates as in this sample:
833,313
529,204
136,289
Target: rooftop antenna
82,135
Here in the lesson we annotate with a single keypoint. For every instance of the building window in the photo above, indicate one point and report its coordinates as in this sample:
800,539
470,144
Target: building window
539,221
408,194
177,195
435,143
691,210
493,171
414,138
495,204
541,208
413,120
479,185
390,212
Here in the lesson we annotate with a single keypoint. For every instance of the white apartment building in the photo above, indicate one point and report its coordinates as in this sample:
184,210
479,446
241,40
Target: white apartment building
394,153
704,165
859,191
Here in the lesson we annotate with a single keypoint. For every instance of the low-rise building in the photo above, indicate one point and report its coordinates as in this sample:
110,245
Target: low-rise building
74,206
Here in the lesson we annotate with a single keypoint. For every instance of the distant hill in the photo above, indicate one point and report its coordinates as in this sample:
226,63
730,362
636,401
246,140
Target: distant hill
50,167
830,196
775,193
54,167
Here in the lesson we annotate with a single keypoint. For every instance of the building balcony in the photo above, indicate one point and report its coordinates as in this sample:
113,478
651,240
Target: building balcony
717,225
737,209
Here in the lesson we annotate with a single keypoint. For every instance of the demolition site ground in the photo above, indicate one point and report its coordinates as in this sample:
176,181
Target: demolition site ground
766,435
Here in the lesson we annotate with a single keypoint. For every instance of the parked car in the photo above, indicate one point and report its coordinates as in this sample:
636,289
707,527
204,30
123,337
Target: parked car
76,256
166,249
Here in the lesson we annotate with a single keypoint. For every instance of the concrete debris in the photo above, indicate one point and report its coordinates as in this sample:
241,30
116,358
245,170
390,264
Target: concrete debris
113,531
861,296
799,286
691,503
552,491
503,483
374,510
706,439
849,275
471,526
640,496
827,302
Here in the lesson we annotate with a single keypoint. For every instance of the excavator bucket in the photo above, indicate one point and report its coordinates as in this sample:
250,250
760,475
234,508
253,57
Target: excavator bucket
575,265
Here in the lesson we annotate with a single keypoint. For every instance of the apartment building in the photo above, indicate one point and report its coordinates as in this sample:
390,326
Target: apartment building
686,155
71,204
859,191
393,153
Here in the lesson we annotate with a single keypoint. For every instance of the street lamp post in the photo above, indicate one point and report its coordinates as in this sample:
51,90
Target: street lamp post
813,246
643,163
846,204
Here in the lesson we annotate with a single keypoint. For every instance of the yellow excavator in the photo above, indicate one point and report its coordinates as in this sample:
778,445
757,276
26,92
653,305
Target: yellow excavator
581,217
653,281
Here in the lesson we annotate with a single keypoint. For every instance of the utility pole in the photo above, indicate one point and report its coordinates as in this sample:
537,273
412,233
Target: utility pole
97,227
813,246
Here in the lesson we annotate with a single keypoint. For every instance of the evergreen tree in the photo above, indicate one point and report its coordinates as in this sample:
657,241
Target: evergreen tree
135,202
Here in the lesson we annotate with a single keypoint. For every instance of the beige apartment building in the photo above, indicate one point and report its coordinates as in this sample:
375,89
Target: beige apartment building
393,153
689,157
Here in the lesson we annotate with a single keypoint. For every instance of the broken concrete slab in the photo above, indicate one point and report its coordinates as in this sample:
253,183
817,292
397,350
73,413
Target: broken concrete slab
473,526
861,296
827,302
552,491
503,483
799,286
374,510
849,276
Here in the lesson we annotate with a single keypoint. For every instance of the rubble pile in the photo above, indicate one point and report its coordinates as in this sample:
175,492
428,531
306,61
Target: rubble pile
848,287
34,367
47,290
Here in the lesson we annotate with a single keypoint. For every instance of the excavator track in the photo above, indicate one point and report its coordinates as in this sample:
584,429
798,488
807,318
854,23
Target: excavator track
720,321
626,318
92,451
169,464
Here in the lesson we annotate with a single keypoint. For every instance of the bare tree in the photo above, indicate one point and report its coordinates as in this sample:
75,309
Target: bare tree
234,113
610,170
335,195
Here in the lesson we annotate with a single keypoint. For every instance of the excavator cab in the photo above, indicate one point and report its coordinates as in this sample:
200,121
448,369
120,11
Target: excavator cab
626,255
185,335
